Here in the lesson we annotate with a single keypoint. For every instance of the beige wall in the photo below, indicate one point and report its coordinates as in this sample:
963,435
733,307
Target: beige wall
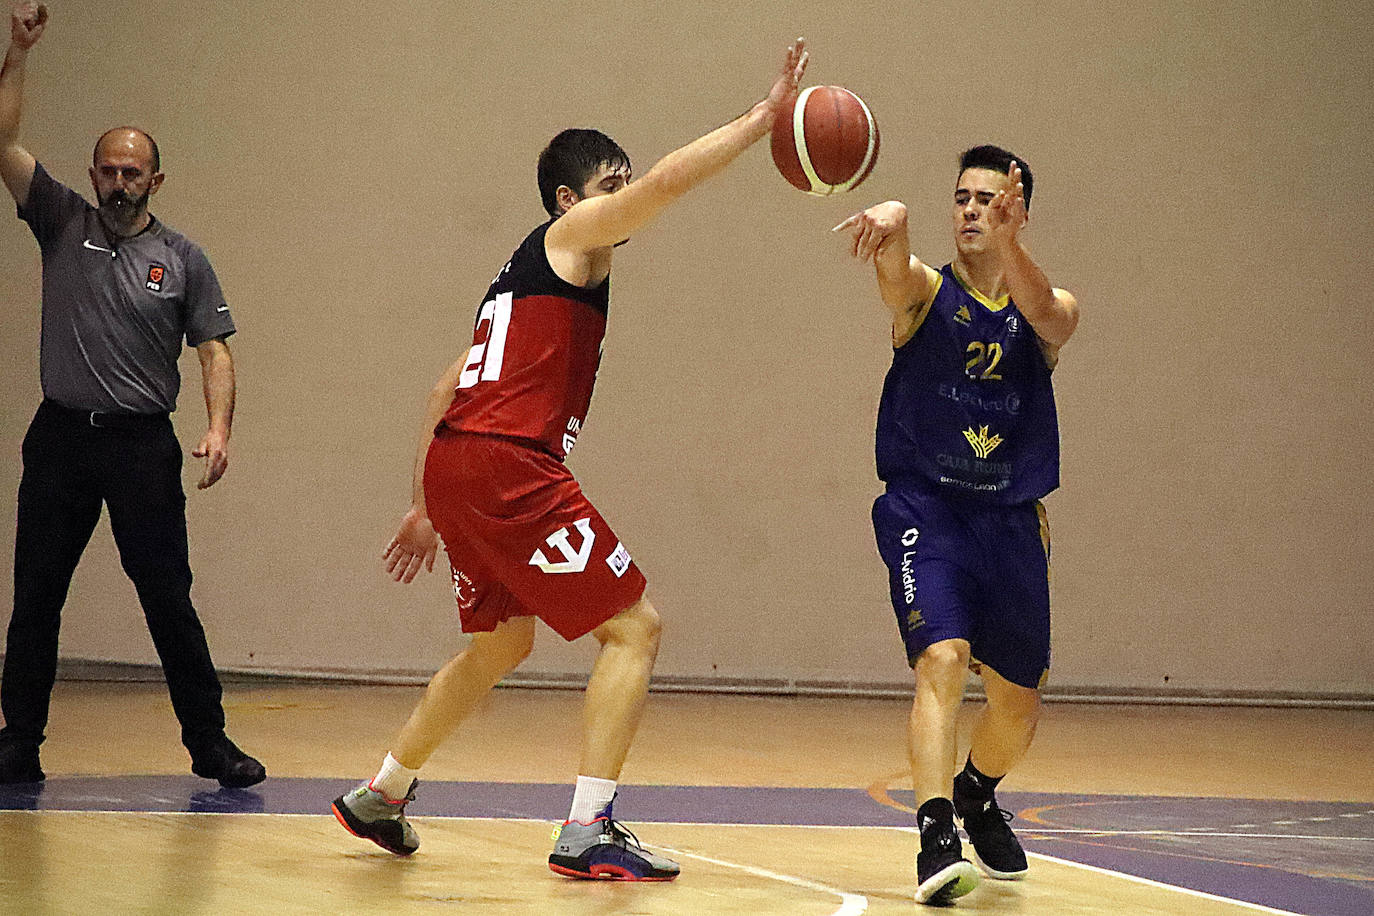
358,173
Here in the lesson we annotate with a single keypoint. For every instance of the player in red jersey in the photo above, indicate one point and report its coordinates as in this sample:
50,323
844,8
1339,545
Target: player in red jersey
522,539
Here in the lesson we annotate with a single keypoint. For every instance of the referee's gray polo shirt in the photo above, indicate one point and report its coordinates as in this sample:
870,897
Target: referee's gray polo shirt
115,311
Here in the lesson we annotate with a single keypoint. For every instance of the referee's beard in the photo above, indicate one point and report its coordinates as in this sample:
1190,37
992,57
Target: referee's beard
119,209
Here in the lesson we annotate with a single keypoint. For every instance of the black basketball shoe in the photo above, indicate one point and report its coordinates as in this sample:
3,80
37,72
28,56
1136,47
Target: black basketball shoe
942,872
994,844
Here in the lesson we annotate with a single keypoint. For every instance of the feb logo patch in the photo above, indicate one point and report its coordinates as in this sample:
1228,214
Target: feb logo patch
155,274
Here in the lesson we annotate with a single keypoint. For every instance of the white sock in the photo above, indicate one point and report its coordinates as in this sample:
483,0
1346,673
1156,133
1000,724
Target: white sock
590,797
393,780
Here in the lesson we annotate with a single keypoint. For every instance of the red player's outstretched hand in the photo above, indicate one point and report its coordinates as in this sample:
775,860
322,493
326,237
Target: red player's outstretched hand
784,91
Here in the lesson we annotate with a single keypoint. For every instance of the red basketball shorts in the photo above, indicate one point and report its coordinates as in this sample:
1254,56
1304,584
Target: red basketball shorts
521,538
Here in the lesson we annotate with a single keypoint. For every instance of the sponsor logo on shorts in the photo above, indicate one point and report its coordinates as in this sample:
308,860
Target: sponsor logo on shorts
982,443
908,580
464,590
909,538
915,620
574,561
619,560
155,275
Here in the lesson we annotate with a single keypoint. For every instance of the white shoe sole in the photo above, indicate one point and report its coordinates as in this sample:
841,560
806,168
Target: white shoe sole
949,882
994,873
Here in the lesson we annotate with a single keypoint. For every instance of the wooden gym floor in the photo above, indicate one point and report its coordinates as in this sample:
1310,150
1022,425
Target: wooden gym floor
772,805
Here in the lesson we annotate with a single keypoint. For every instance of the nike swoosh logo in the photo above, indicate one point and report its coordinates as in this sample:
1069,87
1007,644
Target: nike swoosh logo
88,244
222,308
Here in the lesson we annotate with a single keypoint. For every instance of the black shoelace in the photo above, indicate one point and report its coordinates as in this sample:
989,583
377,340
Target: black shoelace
620,831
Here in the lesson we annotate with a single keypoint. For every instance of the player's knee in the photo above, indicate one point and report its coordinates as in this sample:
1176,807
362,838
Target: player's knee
944,661
1011,701
647,626
638,626
650,621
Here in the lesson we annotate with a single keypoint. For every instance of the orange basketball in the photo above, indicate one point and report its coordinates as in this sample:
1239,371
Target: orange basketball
827,143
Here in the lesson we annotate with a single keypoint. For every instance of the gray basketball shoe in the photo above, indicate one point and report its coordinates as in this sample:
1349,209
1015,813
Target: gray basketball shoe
606,849
368,814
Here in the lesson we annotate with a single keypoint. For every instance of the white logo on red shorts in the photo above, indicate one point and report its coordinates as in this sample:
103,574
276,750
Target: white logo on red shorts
574,561
464,589
619,560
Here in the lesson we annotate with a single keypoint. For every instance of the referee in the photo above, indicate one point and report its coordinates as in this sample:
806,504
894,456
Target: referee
120,291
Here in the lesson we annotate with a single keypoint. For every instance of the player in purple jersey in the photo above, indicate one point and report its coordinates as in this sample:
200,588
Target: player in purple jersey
963,534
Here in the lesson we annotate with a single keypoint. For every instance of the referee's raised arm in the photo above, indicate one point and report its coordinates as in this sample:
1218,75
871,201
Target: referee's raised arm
27,20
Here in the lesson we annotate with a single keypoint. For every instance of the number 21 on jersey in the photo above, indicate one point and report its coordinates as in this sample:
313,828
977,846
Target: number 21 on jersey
485,357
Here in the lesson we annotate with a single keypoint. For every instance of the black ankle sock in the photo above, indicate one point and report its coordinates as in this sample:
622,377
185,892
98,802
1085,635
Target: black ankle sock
935,814
977,784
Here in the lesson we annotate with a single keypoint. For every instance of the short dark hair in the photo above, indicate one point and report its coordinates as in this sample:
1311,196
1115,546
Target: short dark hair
998,160
572,158
157,156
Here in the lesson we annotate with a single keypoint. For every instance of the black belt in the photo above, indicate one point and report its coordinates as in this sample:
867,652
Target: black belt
104,419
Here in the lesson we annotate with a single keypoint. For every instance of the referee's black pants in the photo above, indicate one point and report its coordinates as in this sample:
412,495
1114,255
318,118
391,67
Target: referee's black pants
70,468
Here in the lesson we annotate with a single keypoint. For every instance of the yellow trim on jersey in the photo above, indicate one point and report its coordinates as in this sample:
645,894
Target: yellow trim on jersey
992,305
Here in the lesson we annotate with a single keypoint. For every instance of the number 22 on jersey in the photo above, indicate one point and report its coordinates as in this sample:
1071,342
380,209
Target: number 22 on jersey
486,355
985,357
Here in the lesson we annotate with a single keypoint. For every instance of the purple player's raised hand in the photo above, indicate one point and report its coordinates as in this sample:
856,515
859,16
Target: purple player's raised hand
1007,211
27,20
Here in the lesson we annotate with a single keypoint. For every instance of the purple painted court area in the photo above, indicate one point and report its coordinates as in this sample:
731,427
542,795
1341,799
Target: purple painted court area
1305,857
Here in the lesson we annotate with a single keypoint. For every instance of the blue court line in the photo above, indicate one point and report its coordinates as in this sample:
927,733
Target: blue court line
1306,857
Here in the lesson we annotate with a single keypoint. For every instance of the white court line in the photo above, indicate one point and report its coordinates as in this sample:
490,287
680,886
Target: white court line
1082,831
1058,831
850,904
1258,908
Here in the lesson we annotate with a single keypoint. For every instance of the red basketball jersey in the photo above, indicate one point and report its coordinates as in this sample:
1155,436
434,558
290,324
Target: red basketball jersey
536,347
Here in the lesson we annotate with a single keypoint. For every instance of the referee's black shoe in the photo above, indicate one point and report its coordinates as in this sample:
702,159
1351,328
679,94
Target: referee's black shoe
221,759
19,762
995,845
942,872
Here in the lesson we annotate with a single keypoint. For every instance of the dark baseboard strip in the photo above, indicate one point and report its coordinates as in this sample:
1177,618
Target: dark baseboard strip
121,672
